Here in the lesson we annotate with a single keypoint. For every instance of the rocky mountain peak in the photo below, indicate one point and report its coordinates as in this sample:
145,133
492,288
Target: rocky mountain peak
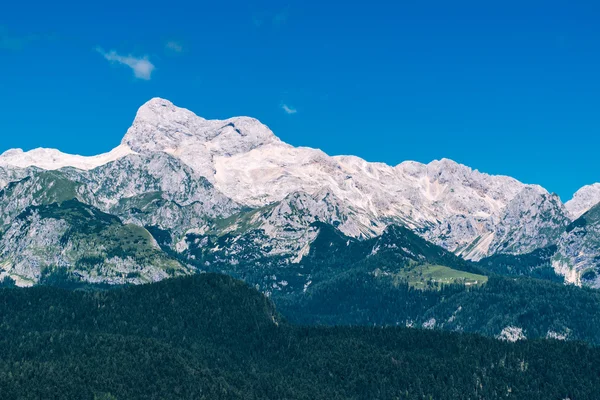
533,219
583,200
159,125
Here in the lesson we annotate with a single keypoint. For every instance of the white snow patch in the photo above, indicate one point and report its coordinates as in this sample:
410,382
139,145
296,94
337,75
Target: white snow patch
51,159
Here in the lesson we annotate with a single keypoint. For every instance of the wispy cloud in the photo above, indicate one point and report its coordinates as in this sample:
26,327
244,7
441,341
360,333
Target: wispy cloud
281,18
174,46
142,67
288,110
274,19
11,41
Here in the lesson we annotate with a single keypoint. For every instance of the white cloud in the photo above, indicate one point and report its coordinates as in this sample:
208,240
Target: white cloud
142,67
288,109
174,46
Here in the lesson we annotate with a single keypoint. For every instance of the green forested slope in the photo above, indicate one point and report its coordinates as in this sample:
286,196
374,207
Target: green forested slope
401,279
394,286
537,264
209,336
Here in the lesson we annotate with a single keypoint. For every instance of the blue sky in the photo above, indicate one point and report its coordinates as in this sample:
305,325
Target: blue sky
505,87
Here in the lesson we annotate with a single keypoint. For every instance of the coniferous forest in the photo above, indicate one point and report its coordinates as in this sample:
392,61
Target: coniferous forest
212,337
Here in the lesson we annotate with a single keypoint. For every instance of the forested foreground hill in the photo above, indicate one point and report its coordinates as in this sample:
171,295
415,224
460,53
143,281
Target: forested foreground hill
212,337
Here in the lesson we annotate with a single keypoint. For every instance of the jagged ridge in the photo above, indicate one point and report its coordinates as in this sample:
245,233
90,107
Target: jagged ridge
170,153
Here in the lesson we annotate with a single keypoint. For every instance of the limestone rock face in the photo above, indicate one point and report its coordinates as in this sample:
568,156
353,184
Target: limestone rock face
182,174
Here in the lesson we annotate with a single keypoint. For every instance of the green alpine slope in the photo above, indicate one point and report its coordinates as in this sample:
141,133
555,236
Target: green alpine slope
72,241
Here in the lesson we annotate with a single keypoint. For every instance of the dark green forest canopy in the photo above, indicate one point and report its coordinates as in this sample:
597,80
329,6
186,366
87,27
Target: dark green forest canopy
213,337
357,296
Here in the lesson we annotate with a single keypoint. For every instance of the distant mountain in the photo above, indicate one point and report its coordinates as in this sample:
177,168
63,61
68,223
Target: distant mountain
234,182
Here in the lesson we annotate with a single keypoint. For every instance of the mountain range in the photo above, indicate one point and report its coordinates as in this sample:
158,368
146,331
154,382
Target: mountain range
192,179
